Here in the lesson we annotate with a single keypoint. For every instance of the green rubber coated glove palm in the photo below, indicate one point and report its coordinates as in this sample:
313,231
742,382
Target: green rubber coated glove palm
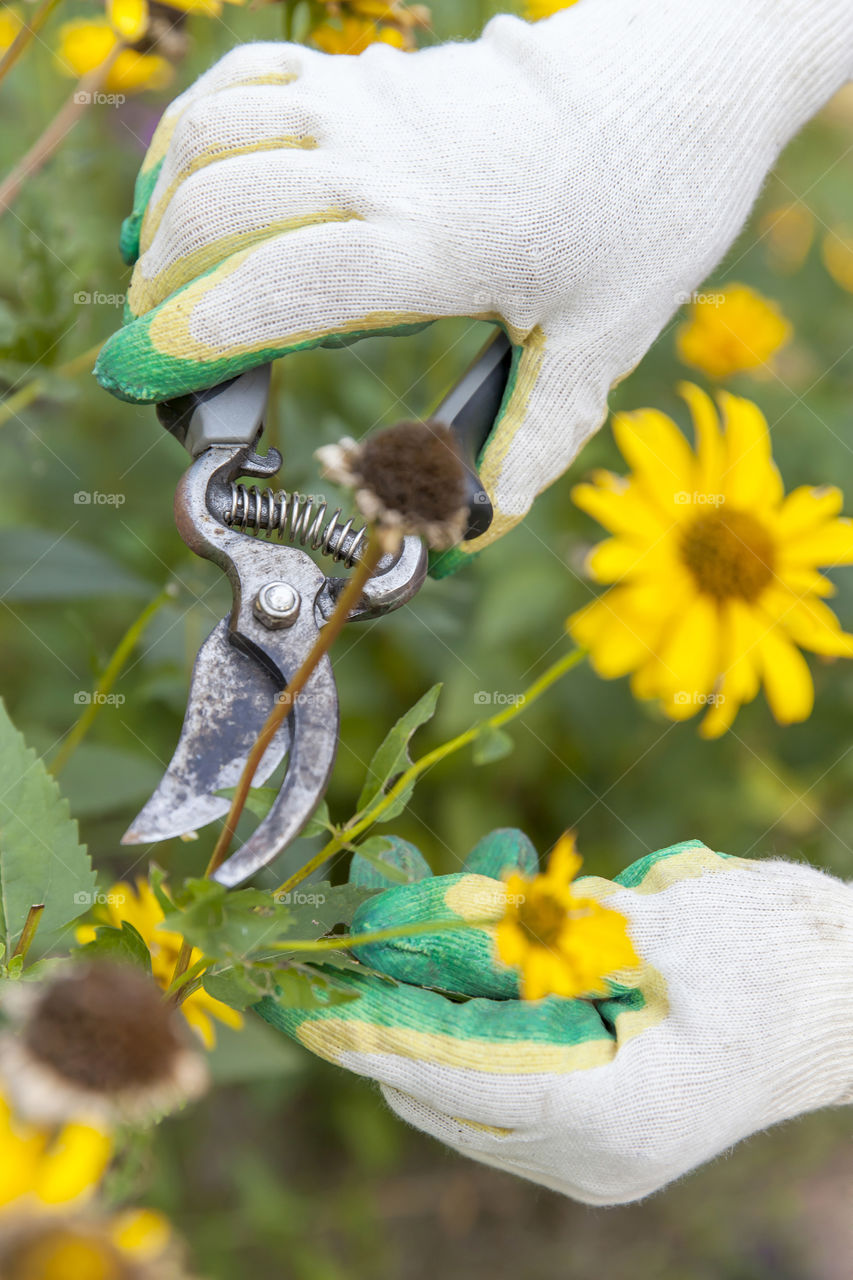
742,1016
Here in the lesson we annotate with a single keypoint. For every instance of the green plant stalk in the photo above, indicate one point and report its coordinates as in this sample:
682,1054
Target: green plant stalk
360,822
30,391
28,932
26,35
342,941
112,671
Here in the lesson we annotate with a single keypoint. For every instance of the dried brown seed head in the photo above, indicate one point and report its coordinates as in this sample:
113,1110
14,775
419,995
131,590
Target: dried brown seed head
99,1039
409,477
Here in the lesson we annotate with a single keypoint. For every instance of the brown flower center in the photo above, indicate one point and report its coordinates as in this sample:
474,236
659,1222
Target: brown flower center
729,553
104,1028
414,469
542,919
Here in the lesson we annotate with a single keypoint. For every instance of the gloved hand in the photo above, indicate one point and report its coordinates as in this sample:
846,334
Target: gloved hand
742,1017
572,180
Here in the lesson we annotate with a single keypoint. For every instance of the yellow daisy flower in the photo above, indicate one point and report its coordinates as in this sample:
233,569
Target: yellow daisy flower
536,10
837,254
563,944
85,43
730,331
47,1167
714,569
141,909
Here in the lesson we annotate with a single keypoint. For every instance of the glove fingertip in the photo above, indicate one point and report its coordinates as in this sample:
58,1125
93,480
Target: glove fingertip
505,850
401,854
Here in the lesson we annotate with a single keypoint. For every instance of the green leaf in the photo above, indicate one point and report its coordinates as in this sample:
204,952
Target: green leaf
492,744
392,756
37,564
315,909
296,990
373,849
41,858
123,946
227,925
239,987
261,799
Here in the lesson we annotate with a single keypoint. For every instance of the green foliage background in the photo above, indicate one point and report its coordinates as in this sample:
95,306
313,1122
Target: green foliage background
291,1169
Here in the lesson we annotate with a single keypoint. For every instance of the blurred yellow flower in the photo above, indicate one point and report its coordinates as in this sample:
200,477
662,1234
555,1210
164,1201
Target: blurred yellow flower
141,909
837,254
45,1168
351,26
788,231
715,570
563,944
730,331
10,24
85,43
535,10
128,18
134,1245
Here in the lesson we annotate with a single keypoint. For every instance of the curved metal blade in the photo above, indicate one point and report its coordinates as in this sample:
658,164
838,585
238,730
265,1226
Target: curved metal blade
314,744
230,697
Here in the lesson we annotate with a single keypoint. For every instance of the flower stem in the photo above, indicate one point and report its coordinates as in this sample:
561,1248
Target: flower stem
343,940
112,671
348,598
26,35
56,132
361,821
30,391
29,930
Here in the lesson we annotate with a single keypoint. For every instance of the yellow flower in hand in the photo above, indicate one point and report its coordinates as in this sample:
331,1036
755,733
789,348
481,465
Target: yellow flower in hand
730,331
45,1168
714,569
141,909
563,944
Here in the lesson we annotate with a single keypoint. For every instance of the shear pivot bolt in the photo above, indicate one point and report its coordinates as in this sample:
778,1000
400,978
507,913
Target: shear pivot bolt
277,605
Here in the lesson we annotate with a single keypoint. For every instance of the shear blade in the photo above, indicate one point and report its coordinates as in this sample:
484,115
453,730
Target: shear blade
230,698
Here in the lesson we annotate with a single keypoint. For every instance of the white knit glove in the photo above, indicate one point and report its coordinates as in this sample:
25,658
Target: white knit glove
571,180
742,1017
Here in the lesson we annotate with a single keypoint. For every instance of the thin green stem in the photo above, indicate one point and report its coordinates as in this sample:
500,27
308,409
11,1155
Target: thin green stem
377,935
360,822
112,671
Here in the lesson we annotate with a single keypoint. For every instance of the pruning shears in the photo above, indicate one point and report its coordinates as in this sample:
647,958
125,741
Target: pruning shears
282,597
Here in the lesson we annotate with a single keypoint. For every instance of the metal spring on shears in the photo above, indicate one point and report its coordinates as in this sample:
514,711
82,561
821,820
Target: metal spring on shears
296,518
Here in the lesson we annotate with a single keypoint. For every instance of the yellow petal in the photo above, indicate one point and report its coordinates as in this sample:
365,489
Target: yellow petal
750,477
787,679
829,545
128,18
659,456
690,654
617,642
73,1166
621,507
141,1232
805,508
710,448
617,558
809,622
